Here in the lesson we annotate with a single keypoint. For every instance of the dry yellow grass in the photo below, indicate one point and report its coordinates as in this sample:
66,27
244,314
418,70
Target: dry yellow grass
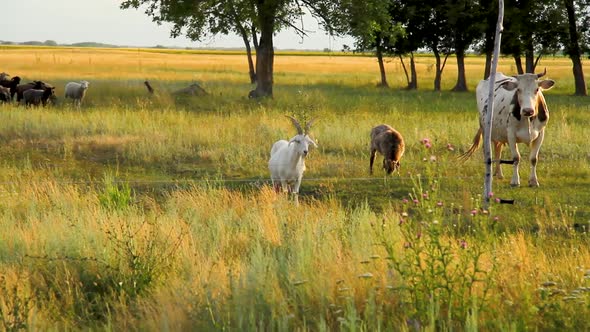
138,64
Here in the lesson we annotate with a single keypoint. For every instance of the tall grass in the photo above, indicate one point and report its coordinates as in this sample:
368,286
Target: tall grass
146,212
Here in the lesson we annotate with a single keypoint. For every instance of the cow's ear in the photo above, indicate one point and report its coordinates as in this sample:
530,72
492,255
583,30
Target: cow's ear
509,85
546,84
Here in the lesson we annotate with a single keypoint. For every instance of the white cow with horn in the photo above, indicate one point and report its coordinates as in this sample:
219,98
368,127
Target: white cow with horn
520,116
287,159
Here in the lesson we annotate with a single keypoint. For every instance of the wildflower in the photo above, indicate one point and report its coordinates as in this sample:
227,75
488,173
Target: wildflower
425,140
404,214
497,200
405,200
450,147
425,195
463,244
416,201
439,203
419,235
432,158
435,222
401,221
473,212
407,245
427,145
491,194
496,218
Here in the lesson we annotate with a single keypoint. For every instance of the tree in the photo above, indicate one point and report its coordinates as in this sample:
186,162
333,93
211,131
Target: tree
531,27
577,22
465,24
408,15
432,18
369,22
199,19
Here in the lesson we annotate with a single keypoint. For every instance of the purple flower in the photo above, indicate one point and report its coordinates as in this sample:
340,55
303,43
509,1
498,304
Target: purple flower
463,244
427,145
405,200
439,203
425,140
416,201
473,212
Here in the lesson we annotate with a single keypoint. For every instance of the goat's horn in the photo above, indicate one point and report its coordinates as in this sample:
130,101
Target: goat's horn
543,73
296,124
308,125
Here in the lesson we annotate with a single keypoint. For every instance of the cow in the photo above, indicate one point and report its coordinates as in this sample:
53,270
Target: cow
520,115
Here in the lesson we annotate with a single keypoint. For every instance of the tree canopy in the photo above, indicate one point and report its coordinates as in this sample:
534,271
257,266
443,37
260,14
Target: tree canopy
532,28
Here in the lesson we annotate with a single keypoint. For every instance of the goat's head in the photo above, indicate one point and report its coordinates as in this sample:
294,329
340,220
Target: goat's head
302,141
527,88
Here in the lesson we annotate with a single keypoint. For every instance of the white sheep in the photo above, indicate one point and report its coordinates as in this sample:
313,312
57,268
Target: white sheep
77,91
287,160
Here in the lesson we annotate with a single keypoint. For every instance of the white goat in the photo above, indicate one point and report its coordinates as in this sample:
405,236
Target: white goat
77,91
287,160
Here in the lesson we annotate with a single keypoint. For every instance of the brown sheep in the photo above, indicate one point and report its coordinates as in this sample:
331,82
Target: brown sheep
37,85
4,94
390,144
11,84
36,97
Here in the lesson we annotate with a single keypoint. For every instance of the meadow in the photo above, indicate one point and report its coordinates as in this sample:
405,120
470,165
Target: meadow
155,212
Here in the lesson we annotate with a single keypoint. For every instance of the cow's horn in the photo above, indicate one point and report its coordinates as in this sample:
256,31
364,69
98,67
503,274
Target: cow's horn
543,73
296,124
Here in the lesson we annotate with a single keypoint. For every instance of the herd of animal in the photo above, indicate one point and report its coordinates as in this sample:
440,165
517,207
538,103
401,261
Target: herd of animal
520,115
38,93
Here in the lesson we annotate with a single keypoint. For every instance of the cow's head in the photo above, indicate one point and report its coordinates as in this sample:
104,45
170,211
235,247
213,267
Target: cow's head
527,90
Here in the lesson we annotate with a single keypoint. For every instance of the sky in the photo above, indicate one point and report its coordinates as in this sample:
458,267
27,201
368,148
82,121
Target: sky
73,21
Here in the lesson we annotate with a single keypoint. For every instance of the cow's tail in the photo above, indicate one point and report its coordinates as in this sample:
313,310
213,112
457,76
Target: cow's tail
474,146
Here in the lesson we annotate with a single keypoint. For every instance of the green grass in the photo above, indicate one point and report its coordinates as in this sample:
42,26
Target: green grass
155,213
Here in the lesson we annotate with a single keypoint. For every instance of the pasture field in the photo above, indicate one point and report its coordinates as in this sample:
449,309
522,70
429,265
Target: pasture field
141,212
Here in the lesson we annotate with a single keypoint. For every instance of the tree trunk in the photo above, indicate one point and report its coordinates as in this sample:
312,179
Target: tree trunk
529,54
251,69
401,60
461,84
265,52
414,83
383,83
487,69
438,75
518,63
573,49
254,37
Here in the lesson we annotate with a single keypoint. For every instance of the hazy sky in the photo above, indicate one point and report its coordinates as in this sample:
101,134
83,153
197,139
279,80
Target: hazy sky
72,21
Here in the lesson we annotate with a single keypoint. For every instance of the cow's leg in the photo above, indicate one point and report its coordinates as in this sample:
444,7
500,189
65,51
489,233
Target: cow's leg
373,153
497,156
535,147
515,182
